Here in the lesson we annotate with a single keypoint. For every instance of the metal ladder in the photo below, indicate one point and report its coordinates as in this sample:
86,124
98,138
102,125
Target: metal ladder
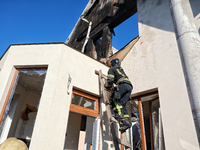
111,120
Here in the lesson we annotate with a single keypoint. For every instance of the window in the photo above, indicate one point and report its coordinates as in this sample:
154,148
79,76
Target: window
21,105
84,103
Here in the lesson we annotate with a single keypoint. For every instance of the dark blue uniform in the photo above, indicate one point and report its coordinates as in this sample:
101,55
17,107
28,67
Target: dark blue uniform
117,75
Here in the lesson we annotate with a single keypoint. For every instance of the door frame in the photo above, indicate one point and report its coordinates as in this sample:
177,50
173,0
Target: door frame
141,118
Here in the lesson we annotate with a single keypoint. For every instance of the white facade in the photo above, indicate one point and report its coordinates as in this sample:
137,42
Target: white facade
153,64
61,61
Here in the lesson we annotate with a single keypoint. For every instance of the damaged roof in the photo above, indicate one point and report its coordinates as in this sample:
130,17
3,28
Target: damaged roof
101,13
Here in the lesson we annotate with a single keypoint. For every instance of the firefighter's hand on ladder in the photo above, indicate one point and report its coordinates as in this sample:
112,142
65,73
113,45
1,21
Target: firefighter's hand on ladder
107,88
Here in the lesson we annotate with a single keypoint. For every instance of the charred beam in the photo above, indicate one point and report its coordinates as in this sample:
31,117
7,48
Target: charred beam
107,13
106,45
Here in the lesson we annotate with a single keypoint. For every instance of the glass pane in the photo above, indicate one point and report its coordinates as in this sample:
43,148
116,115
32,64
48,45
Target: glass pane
135,129
82,101
147,127
135,111
158,137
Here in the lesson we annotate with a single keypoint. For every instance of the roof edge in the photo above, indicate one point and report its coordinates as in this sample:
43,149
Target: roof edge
49,43
29,44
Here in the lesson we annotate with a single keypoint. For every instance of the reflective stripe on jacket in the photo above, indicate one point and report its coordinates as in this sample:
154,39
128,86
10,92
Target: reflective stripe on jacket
117,75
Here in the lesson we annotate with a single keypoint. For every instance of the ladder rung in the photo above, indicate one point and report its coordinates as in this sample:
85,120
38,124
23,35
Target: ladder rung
103,76
112,120
125,143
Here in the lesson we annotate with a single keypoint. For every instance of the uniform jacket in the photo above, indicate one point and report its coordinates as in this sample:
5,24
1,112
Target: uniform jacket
117,75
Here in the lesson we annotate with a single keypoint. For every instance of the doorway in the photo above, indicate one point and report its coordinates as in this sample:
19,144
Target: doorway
79,132
147,129
83,117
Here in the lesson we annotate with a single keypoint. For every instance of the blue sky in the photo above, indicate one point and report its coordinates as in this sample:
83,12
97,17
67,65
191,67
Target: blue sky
44,21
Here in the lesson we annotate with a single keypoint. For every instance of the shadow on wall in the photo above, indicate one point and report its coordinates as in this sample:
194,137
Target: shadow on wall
156,13
196,12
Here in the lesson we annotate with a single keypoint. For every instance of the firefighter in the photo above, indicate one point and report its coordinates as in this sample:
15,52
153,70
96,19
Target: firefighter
121,92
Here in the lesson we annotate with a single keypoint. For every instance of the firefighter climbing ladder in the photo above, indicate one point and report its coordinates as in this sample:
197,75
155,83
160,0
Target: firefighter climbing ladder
112,121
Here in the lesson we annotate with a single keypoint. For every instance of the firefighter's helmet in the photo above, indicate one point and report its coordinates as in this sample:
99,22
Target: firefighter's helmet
115,62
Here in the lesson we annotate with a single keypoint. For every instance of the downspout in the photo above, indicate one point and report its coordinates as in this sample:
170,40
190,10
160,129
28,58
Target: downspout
188,41
95,138
88,33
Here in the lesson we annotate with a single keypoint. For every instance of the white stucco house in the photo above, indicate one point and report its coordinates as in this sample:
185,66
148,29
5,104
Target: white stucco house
50,96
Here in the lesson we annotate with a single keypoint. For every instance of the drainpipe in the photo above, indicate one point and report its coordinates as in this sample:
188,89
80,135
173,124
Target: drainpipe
88,33
95,137
188,40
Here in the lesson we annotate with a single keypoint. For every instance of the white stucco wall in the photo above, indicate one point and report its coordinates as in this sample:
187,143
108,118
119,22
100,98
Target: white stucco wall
52,117
154,62
3,60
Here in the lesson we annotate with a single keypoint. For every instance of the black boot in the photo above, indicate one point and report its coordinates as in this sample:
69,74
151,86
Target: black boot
126,124
116,115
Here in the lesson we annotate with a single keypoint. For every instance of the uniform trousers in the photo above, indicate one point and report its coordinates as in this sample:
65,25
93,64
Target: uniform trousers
120,105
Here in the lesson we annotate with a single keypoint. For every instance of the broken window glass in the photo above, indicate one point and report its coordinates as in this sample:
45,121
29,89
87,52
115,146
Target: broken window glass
83,102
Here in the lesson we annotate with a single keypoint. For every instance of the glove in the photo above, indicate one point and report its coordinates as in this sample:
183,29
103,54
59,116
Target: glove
107,88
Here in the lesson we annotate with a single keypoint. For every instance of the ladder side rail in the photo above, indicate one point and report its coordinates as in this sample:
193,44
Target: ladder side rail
125,141
108,112
111,120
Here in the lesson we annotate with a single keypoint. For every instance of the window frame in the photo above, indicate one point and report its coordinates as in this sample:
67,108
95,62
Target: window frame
141,117
83,110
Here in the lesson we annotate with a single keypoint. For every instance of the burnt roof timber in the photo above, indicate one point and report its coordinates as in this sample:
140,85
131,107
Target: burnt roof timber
111,14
